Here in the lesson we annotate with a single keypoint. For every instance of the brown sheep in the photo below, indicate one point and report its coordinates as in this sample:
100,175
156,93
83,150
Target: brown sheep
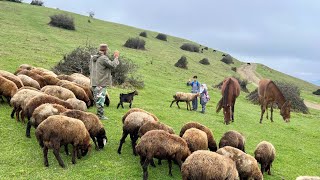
162,145
234,139
88,91
28,81
43,72
196,139
26,66
211,142
51,80
308,178
7,88
59,130
81,79
131,126
78,92
29,87
184,97
16,80
77,104
65,77
34,76
265,154
58,91
43,112
35,102
138,110
151,125
93,125
204,164
247,165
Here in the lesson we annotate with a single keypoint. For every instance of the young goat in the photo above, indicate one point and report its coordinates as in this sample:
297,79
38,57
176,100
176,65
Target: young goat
184,97
127,98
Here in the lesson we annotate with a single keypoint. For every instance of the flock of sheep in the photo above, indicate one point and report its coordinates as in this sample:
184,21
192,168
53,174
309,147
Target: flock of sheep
56,106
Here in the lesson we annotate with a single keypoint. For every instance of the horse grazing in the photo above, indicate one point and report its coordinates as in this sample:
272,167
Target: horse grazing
269,93
230,90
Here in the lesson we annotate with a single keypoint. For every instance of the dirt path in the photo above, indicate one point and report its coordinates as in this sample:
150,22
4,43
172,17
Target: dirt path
248,72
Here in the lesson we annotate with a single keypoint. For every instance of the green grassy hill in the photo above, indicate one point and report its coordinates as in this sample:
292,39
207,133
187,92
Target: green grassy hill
26,37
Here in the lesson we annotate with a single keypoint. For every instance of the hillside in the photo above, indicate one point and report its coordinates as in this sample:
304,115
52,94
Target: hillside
26,37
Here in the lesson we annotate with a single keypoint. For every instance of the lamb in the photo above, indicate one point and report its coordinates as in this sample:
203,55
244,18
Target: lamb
234,139
7,88
43,112
16,80
137,110
196,139
247,165
28,81
184,97
126,98
59,130
78,92
265,154
93,125
154,125
34,76
212,145
77,104
204,164
131,126
162,145
58,91
308,178
51,80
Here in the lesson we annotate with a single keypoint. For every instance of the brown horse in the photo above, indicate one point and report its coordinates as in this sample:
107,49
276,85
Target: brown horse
230,91
269,93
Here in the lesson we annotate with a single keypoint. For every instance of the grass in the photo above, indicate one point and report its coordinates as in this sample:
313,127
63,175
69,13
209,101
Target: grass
26,38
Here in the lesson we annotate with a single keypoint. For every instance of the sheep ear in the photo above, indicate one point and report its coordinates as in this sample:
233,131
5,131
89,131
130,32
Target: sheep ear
219,106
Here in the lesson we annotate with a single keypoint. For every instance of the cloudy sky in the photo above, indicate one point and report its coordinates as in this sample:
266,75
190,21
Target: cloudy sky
284,35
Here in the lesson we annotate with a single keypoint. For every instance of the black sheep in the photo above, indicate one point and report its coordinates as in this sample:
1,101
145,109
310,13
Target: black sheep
127,98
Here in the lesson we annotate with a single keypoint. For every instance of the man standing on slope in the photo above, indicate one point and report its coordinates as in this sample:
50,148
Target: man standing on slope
195,89
100,76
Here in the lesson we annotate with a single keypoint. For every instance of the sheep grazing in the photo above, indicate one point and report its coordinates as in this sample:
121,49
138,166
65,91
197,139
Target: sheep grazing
247,165
196,139
51,80
128,98
28,81
80,79
78,92
212,145
161,145
265,154
138,110
58,91
16,80
26,66
29,87
88,91
7,88
308,178
204,164
43,72
184,97
77,104
154,125
93,125
131,126
234,139
59,130
43,112
34,76
65,77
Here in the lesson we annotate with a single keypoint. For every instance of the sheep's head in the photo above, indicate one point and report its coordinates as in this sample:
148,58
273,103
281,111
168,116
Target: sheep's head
102,138
285,111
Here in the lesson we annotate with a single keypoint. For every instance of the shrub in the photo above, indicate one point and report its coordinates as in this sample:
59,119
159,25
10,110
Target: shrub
234,69
290,92
78,62
62,21
37,2
190,47
182,63
162,37
143,34
317,92
204,61
17,1
243,84
227,59
206,48
135,43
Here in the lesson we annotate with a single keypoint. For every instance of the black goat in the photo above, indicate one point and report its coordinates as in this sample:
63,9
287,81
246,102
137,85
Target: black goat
127,98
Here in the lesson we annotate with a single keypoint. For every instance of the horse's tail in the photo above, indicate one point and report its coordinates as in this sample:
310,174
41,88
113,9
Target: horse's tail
226,93
219,105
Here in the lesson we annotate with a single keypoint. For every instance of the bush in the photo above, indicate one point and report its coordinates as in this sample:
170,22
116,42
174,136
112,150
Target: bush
37,2
227,59
290,92
78,62
206,48
243,84
204,61
190,47
162,37
135,43
234,69
62,21
317,92
143,34
182,63
17,1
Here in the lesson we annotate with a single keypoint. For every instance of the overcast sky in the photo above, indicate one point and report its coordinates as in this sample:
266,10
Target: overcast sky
284,35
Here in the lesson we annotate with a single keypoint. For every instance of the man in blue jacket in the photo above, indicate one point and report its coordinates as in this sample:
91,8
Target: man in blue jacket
195,89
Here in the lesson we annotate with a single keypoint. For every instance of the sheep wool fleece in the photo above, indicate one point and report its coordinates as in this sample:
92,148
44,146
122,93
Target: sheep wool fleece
99,94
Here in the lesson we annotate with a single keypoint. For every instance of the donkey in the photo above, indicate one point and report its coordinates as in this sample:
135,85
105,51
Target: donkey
269,93
230,90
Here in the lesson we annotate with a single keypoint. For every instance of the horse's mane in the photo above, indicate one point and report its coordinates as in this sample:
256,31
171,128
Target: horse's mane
226,93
